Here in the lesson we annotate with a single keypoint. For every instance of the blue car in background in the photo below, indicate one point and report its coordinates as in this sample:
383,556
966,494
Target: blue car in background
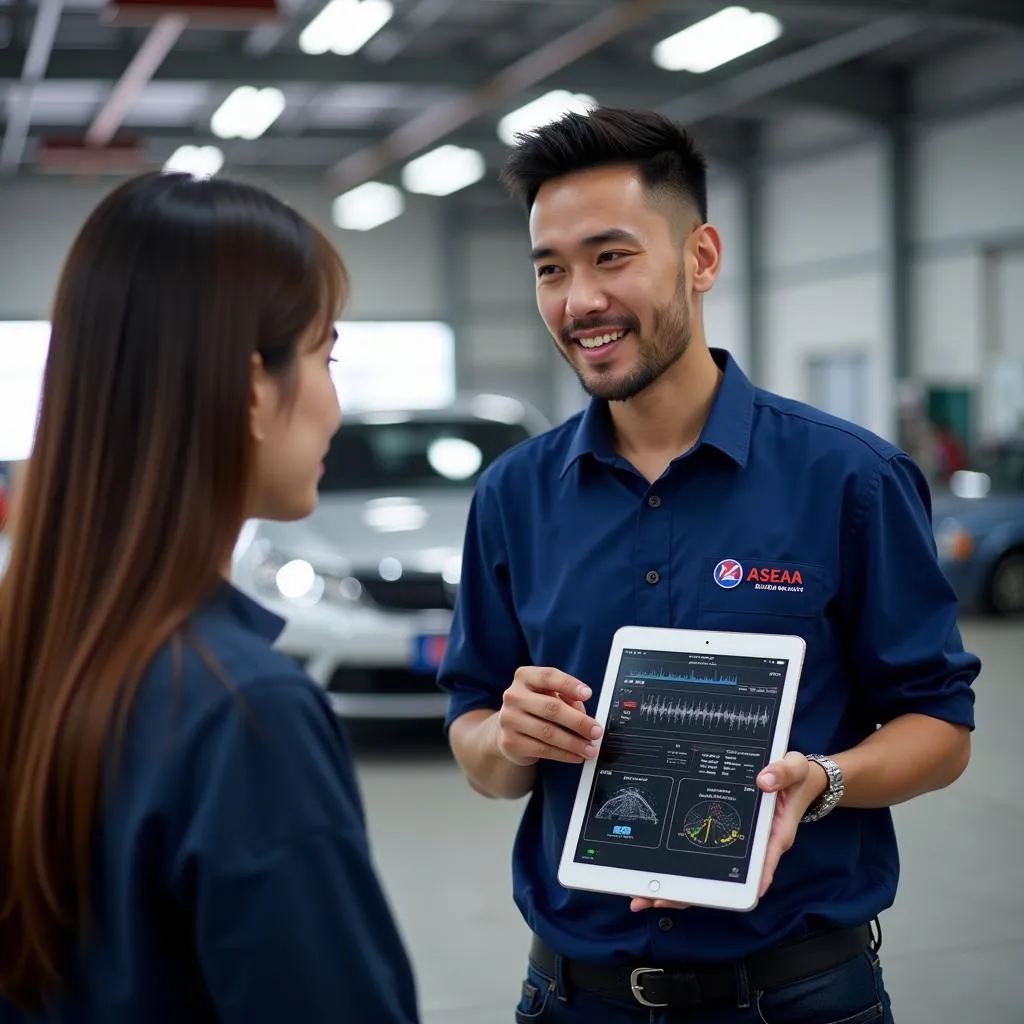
979,530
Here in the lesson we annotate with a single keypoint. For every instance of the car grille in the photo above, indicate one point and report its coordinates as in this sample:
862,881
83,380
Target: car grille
414,592
382,681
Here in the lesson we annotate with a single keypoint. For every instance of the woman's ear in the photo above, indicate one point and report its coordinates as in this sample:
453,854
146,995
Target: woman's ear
262,400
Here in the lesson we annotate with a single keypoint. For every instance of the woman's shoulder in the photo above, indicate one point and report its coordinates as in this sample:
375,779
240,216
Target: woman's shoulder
222,663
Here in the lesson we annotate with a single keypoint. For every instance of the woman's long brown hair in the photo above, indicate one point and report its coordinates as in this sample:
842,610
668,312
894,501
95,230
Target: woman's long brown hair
133,498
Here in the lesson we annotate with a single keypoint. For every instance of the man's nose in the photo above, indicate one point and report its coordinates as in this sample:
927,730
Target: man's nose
585,298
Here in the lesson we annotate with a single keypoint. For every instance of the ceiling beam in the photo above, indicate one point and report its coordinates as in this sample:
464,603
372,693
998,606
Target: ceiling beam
786,71
849,90
157,44
318,148
870,95
440,120
977,15
31,72
231,68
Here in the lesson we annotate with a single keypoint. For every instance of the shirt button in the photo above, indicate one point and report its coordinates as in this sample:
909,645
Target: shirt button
665,924
654,501
652,577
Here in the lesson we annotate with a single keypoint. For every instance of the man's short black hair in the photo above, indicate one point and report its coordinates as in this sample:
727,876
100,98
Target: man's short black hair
663,152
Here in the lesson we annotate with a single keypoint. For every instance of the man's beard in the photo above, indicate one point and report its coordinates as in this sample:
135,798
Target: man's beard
671,331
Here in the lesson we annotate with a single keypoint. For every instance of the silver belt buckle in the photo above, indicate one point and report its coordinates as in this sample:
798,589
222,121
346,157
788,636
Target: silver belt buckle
638,992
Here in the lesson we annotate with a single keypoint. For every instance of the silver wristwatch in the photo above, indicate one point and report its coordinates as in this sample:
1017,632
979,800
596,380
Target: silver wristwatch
829,800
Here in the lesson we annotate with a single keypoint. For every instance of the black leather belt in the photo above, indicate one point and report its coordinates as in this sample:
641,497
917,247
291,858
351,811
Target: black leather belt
691,984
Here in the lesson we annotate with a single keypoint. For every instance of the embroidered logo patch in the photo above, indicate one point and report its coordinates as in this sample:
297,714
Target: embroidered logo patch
728,573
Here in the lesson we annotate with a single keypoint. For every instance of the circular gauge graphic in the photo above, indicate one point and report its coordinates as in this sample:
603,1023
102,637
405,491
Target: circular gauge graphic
712,825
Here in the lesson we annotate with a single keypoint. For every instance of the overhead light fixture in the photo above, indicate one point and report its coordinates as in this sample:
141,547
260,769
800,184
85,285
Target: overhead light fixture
547,108
344,26
199,161
443,170
367,206
247,113
723,37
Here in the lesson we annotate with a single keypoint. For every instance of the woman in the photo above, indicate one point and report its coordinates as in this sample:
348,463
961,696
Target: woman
181,837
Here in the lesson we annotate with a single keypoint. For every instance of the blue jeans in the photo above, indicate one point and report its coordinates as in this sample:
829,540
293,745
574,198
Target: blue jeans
852,993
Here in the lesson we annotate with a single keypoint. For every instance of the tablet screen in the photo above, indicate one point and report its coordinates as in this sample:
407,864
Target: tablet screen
674,785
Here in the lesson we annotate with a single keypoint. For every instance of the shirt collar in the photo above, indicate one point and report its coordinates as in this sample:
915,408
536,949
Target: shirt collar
727,428
249,614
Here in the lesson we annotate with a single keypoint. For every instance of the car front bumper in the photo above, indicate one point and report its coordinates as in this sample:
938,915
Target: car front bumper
372,663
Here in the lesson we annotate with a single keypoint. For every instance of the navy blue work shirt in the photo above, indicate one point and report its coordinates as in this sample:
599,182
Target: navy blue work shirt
233,879
566,542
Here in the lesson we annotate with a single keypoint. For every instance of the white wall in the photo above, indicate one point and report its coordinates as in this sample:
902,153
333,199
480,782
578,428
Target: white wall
825,288
825,253
968,220
396,270
969,204
725,305
505,345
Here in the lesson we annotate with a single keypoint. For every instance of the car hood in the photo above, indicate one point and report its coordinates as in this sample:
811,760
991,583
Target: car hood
422,529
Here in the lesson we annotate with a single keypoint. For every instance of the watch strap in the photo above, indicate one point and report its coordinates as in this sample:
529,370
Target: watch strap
834,791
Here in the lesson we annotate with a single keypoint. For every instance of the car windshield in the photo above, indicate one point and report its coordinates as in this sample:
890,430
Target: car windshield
415,453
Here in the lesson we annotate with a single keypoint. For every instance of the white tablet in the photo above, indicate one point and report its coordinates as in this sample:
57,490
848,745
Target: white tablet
669,809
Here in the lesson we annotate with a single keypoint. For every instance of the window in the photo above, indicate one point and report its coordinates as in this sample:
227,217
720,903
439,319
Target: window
23,347
381,365
394,365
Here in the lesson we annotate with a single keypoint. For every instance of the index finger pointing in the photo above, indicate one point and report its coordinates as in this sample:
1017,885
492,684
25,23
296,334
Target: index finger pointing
553,680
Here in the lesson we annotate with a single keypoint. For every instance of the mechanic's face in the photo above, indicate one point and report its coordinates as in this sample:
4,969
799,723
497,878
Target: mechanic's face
613,279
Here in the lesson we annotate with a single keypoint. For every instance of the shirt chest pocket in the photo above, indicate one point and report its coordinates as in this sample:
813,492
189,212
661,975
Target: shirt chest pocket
760,596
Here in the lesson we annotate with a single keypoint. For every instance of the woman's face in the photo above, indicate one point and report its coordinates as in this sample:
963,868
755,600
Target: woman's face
292,439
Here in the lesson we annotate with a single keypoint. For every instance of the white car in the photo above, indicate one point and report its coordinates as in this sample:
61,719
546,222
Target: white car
368,581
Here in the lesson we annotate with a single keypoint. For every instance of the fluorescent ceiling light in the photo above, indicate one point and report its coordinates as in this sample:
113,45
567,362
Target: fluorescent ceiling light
723,37
247,113
443,170
367,206
549,107
344,26
199,161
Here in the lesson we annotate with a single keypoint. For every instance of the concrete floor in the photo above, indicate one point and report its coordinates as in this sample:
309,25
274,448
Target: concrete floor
953,947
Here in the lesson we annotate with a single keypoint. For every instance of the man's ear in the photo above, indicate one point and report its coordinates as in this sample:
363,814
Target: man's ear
262,400
707,255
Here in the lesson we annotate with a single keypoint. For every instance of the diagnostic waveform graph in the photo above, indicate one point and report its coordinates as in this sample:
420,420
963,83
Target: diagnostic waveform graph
707,676
733,715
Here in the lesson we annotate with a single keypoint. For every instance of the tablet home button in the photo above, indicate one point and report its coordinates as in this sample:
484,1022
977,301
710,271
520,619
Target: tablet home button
654,885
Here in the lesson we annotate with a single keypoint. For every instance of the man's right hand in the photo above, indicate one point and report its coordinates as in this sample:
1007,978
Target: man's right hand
542,717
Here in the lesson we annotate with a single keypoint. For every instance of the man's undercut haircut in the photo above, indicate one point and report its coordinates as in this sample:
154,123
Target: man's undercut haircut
664,153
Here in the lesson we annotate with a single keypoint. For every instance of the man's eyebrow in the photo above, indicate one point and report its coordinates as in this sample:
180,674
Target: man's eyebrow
541,252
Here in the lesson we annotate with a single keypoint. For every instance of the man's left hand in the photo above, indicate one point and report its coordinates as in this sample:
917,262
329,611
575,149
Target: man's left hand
797,783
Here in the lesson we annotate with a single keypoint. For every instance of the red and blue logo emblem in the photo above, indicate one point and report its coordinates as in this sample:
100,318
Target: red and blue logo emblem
728,573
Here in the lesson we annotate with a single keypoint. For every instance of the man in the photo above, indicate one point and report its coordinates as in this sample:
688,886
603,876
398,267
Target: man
620,516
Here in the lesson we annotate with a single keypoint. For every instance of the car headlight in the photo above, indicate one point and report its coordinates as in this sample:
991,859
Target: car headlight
954,541
300,582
